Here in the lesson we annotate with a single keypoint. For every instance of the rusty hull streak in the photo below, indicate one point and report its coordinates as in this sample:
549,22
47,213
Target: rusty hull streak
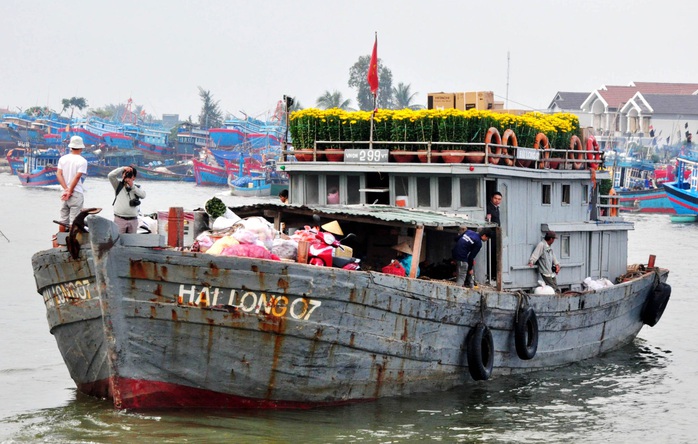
103,247
213,269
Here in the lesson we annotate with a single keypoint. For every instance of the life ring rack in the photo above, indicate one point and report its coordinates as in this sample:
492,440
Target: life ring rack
508,136
576,153
493,133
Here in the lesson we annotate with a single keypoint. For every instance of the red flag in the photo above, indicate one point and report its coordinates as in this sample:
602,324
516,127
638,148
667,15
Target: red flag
373,69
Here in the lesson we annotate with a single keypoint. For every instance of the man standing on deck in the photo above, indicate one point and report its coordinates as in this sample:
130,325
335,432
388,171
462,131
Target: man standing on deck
493,216
71,168
544,256
468,245
127,198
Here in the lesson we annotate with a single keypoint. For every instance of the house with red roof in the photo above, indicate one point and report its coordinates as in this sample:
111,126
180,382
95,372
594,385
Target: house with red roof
642,112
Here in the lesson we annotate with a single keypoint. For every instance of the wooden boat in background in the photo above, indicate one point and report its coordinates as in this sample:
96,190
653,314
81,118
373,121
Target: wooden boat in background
249,186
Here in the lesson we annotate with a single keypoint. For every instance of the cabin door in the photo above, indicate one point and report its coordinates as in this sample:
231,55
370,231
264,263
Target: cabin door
497,251
599,255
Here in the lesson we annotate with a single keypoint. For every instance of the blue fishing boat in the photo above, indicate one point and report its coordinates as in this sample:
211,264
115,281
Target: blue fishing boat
683,192
210,175
249,186
40,168
638,184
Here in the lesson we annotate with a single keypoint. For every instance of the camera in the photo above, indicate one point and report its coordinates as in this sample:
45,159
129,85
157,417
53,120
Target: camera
134,202
128,174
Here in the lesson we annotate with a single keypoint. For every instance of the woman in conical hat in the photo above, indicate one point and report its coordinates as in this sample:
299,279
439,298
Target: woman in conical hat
405,257
333,227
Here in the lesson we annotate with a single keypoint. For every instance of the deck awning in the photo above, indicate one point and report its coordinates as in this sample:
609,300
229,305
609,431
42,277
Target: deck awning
375,214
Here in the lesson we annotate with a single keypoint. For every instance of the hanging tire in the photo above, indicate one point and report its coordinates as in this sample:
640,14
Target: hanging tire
480,352
526,334
655,304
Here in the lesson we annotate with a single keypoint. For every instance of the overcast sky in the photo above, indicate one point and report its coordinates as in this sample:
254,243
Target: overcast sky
248,54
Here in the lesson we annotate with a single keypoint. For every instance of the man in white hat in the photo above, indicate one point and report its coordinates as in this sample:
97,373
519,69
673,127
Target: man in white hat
71,168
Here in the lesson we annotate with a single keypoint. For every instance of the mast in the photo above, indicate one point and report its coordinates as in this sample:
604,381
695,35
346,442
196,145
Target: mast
506,106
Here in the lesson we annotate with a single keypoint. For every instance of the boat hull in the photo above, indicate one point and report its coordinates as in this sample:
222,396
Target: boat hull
45,177
646,201
194,330
74,316
684,201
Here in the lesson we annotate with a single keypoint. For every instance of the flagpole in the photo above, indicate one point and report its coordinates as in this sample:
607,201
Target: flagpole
373,114
372,77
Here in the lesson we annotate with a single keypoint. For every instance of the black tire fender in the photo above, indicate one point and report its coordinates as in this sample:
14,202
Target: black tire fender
480,352
656,303
526,333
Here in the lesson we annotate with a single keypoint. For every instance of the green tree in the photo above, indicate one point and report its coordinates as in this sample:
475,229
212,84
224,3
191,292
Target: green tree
357,79
403,97
102,113
72,103
39,111
333,100
211,115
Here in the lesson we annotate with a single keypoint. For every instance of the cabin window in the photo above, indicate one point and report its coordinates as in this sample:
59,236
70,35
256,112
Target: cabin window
565,246
565,194
469,192
546,197
332,183
311,190
424,192
402,186
585,194
445,192
353,194
296,194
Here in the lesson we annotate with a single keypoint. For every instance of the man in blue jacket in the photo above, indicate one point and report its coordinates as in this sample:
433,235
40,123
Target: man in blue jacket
468,245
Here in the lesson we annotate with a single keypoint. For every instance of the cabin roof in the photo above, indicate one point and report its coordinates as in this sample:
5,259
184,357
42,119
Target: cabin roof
380,214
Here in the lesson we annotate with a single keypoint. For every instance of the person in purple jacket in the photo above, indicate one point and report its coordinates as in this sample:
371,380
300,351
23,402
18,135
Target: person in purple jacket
468,245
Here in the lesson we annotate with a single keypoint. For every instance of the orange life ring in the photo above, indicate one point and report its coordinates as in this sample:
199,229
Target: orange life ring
593,145
613,211
508,135
493,133
541,142
578,156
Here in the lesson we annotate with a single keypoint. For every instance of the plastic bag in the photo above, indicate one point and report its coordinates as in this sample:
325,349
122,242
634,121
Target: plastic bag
249,250
395,268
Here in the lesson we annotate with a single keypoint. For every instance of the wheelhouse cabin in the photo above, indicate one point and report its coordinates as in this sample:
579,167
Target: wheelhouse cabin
535,199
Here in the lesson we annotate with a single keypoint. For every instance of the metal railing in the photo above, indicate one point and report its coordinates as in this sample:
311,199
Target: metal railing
432,152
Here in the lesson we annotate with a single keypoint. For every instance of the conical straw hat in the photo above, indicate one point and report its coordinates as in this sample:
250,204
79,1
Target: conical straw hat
333,227
403,247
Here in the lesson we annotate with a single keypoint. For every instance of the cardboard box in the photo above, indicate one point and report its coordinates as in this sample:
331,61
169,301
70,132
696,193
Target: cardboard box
478,100
188,223
441,100
460,100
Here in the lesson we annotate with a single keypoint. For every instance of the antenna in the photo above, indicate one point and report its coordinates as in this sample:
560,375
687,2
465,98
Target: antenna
506,106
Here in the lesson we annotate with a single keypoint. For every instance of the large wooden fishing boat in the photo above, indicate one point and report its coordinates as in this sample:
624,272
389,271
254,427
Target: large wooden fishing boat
156,327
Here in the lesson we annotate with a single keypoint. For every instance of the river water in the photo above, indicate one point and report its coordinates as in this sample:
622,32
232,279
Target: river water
646,391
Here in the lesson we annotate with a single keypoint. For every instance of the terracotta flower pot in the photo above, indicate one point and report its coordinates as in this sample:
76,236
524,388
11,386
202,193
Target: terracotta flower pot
473,157
453,156
303,155
422,156
334,154
403,156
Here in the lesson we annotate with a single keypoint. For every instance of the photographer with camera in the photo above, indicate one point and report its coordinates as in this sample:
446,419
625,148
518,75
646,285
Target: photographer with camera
127,199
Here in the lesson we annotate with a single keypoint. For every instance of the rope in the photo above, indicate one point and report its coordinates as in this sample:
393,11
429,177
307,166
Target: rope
483,306
523,301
